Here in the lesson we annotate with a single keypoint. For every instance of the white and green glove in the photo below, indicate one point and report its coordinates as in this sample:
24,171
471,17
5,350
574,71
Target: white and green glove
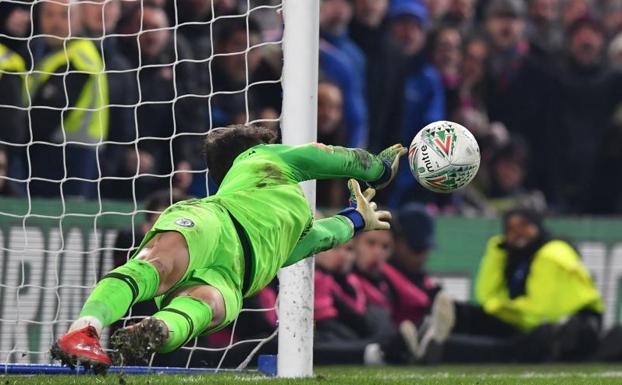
363,213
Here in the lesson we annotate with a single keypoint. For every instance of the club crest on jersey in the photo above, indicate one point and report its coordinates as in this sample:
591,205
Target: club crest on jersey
184,222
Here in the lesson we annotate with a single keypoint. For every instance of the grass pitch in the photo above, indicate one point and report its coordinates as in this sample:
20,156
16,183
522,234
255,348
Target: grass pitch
440,375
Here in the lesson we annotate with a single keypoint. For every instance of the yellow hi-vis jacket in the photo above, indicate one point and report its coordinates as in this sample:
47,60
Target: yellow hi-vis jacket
10,61
87,120
558,285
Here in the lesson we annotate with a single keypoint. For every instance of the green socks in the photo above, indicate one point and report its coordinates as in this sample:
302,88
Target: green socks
186,318
133,282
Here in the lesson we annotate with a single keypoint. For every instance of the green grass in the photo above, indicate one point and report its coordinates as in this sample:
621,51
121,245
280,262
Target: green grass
454,375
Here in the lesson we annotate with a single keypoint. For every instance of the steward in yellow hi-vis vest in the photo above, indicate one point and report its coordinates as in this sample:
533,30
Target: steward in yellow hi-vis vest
69,116
85,118
537,302
527,279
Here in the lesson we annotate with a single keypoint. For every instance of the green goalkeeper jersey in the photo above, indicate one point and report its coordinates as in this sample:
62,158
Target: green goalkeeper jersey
261,191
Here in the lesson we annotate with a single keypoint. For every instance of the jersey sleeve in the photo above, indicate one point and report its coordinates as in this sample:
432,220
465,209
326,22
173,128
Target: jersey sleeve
320,161
323,235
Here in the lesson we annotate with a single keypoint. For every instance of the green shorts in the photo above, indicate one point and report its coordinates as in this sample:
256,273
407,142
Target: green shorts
216,256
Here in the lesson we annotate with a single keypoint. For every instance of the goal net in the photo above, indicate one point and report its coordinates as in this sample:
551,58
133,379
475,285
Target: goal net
105,104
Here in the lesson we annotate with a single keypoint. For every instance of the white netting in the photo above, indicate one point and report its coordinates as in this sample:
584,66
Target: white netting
110,104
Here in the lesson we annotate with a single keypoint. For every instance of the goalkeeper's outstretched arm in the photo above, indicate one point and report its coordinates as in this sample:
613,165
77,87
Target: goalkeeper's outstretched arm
331,232
323,235
320,161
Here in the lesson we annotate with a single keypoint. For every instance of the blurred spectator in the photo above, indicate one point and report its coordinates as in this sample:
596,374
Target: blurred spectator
348,330
194,22
461,15
446,56
383,284
68,99
537,300
100,23
15,22
330,193
342,62
194,17
470,109
424,98
13,93
413,229
330,114
615,53
507,179
385,72
167,115
520,87
612,17
585,102
544,30
239,68
437,8
573,10
6,188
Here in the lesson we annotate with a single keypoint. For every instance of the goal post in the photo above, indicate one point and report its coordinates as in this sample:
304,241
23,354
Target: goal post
298,124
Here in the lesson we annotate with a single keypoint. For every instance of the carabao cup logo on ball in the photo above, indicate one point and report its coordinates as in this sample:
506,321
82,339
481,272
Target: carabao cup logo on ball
444,157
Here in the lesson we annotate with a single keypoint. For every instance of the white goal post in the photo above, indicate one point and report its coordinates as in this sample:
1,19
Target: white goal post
298,123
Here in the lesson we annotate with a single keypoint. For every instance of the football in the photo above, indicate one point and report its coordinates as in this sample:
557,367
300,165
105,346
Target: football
444,157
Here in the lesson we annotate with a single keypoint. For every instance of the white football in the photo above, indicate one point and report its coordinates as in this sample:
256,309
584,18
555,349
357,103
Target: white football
444,156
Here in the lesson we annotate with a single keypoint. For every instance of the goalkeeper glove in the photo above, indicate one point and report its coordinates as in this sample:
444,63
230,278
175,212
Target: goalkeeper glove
390,157
363,213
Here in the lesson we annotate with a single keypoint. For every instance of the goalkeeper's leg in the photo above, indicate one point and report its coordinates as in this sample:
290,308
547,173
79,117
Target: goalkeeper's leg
159,265
190,312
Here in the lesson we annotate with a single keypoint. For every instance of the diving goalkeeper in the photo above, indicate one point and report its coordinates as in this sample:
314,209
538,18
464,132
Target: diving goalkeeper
203,256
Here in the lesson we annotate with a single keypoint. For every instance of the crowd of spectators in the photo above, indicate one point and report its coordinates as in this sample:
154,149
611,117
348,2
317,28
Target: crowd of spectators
111,98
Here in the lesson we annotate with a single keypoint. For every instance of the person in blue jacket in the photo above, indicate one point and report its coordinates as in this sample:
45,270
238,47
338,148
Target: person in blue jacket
424,96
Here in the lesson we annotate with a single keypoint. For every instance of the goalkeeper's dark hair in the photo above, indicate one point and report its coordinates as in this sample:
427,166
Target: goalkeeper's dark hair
224,144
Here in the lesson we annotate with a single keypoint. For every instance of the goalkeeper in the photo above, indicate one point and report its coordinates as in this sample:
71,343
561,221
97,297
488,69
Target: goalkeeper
203,256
